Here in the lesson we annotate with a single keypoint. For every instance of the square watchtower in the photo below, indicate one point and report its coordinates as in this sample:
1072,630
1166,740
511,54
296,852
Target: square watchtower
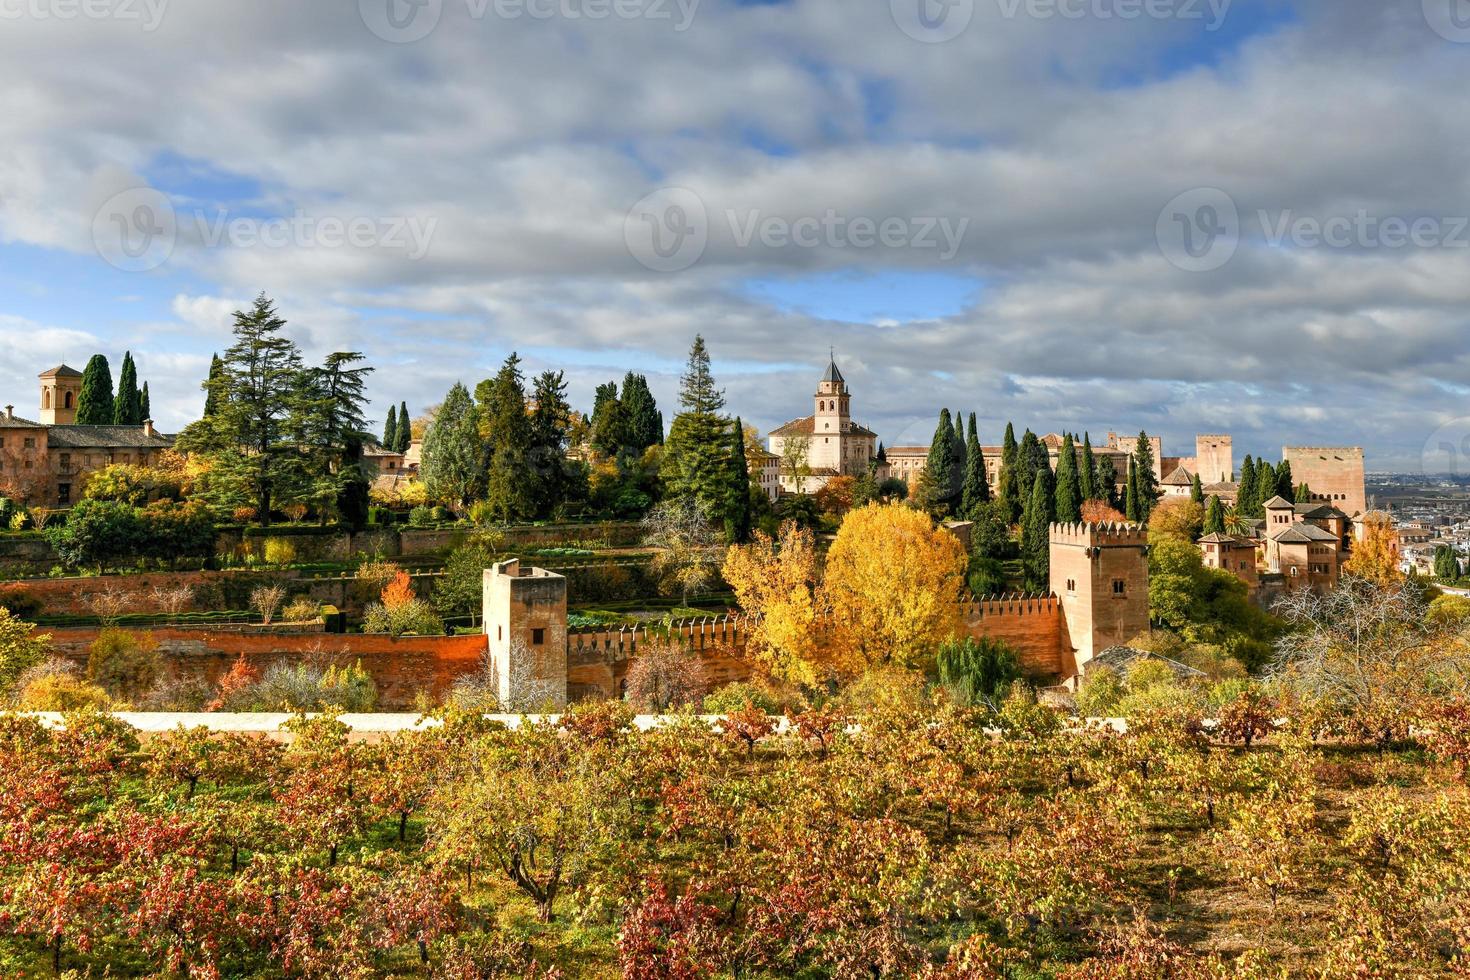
526,635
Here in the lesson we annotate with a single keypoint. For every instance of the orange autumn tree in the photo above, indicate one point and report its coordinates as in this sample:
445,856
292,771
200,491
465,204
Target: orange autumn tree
398,592
778,583
892,583
1375,554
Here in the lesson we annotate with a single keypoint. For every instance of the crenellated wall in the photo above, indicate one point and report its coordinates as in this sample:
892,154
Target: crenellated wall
1032,623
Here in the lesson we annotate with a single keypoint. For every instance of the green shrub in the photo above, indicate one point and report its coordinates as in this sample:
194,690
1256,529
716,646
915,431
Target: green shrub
302,609
62,690
414,616
733,697
124,663
977,671
279,551
421,516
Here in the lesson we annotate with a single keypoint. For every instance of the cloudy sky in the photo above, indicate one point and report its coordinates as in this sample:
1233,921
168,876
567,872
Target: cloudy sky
1243,216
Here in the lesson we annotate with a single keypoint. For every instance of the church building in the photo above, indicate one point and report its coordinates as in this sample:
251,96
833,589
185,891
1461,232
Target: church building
826,443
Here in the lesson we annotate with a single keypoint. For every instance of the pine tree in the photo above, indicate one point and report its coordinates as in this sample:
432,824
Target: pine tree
1107,481
390,429
1069,490
1196,490
696,456
737,506
510,489
127,406
645,426
937,482
214,387
94,404
147,403
405,429
453,467
975,492
1010,487
1036,535
1214,517
1087,474
554,480
329,425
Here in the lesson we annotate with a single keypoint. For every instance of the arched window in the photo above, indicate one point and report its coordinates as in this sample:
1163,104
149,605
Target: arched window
68,399
46,398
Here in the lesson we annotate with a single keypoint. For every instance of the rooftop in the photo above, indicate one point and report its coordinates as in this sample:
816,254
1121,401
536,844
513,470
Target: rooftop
61,371
105,437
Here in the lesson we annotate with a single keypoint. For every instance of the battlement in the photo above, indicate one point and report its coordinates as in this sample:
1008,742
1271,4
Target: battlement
600,644
1009,604
1342,452
1218,436
1110,534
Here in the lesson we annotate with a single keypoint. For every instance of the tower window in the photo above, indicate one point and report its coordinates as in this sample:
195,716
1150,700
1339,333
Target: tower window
538,637
1120,587
68,399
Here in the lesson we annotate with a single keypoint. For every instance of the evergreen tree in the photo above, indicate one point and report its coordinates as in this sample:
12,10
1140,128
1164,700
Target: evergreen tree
1285,486
214,387
94,404
1446,565
975,493
390,429
147,403
1031,459
1196,490
405,429
255,396
737,507
1131,506
1069,489
555,477
696,457
127,407
1147,486
1107,481
453,466
1247,496
1265,486
645,424
937,482
961,451
510,486
1036,535
1214,517
1303,494
1087,473
1010,487
610,429
330,424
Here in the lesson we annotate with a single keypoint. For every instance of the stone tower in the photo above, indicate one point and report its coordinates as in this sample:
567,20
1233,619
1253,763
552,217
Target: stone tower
526,636
834,409
1214,459
60,388
1099,572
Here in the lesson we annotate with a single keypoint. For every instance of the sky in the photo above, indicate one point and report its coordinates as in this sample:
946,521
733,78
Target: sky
1242,216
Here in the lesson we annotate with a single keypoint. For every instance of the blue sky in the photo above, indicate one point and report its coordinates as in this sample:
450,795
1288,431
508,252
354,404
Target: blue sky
511,174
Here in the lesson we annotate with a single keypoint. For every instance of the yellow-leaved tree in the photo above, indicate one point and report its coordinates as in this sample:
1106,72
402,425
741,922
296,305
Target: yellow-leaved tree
778,583
893,579
1376,552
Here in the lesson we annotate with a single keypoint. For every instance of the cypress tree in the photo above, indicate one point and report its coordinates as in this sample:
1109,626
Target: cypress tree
976,491
737,509
405,429
1132,510
147,403
1303,494
1036,535
938,479
127,406
1087,474
1215,517
645,426
961,451
1010,487
1246,495
214,387
94,404
1107,481
1147,486
1196,491
1026,469
1069,490
390,429
1285,487
1265,486
882,456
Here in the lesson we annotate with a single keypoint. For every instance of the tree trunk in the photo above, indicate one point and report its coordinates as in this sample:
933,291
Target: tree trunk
403,826
56,955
